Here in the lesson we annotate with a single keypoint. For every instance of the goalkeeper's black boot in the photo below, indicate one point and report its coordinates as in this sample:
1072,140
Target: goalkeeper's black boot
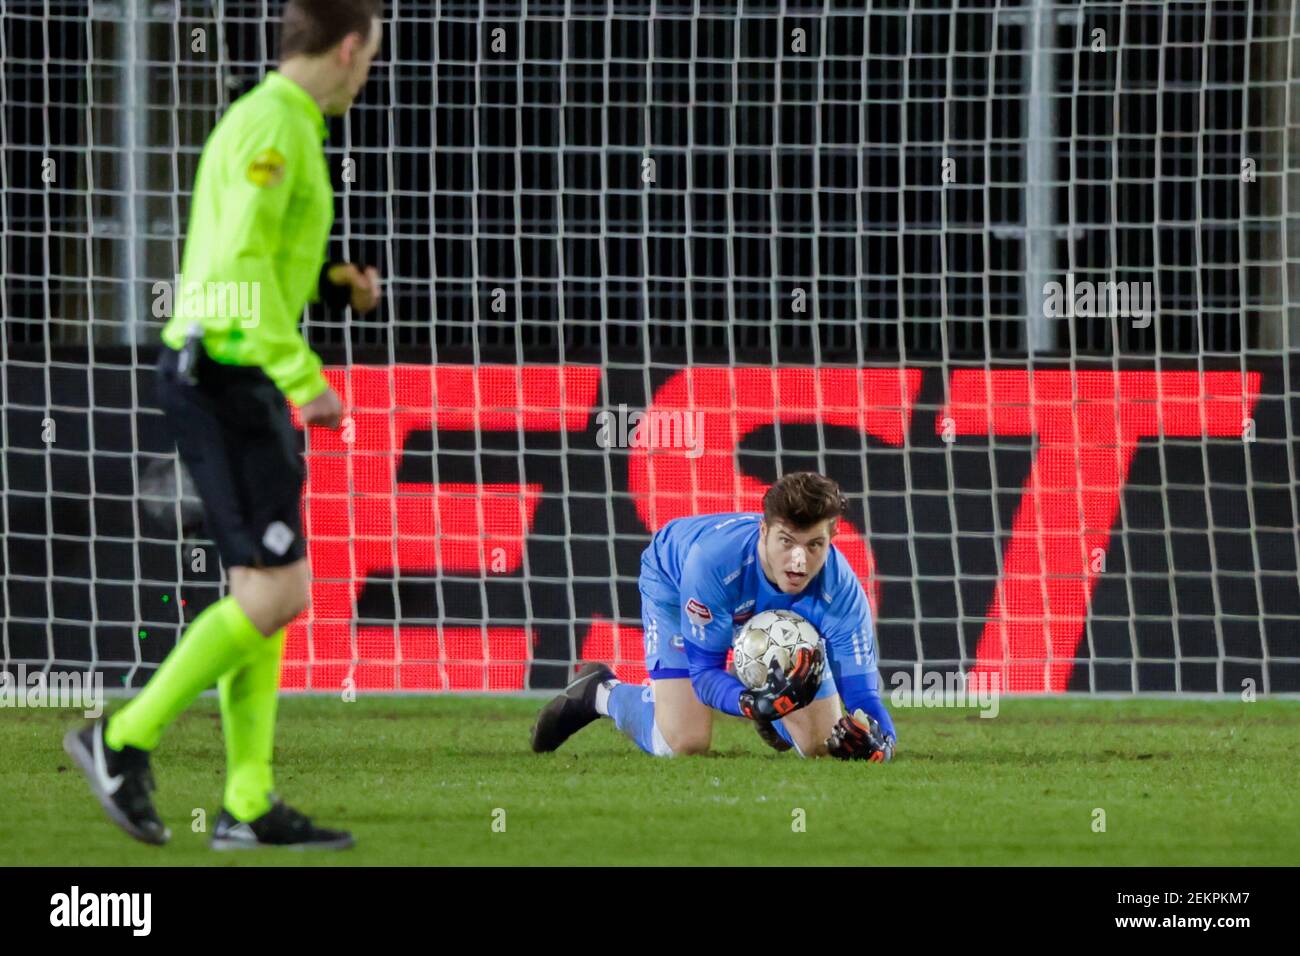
767,731
281,826
572,710
120,780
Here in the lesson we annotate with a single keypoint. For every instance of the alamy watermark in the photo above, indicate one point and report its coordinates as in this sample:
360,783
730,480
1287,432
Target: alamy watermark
42,688
232,302
676,429
133,911
982,691
1084,299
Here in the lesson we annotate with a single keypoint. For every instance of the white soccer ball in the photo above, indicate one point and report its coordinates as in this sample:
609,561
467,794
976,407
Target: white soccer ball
770,636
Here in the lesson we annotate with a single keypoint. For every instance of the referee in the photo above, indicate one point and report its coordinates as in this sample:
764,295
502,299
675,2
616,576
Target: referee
254,256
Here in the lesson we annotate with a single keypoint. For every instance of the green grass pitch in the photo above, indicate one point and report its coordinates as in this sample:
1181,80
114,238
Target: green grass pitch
418,781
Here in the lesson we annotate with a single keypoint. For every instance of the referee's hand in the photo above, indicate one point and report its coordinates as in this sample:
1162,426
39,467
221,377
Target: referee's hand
363,284
324,411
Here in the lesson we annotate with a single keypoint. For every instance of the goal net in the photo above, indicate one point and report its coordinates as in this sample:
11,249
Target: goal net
1022,275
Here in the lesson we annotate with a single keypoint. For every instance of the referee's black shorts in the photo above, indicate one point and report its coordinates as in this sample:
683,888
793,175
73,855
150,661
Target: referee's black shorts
235,435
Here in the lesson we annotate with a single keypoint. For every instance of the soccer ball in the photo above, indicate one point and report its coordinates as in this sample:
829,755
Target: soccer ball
770,636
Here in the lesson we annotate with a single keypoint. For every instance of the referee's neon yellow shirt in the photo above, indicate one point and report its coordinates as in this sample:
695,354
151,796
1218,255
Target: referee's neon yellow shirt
259,225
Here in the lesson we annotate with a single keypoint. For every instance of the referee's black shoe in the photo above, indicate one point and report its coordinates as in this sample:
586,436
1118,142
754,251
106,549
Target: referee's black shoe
120,780
282,826
572,710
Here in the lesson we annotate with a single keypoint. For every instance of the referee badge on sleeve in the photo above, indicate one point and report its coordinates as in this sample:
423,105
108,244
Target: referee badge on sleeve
267,168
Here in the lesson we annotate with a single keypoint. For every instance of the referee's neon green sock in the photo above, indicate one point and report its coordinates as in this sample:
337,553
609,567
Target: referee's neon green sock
249,695
221,638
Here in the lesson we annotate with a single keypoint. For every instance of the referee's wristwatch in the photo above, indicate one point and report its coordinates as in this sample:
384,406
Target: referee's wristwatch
334,297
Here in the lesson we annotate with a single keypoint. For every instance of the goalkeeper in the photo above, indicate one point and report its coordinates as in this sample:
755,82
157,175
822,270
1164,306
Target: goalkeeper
259,223
701,578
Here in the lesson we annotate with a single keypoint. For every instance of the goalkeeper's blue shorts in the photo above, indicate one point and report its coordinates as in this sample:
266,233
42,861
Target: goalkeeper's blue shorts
665,647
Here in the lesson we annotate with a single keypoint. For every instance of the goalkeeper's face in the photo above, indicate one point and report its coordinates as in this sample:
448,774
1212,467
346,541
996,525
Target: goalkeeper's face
791,556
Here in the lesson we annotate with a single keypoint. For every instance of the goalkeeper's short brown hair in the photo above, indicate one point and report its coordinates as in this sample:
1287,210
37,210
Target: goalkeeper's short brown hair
803,499
310,27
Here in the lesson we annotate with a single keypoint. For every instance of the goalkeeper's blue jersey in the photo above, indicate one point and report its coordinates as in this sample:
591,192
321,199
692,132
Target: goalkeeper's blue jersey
707,568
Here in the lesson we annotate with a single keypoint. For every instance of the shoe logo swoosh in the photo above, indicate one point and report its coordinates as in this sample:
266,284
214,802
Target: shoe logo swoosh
109,785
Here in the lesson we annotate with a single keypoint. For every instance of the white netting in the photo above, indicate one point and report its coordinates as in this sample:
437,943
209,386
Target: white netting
829,229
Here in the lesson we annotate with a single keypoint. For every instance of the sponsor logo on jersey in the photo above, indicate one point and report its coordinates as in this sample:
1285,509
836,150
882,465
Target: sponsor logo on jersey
698,612
278,537
744,612
267,168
